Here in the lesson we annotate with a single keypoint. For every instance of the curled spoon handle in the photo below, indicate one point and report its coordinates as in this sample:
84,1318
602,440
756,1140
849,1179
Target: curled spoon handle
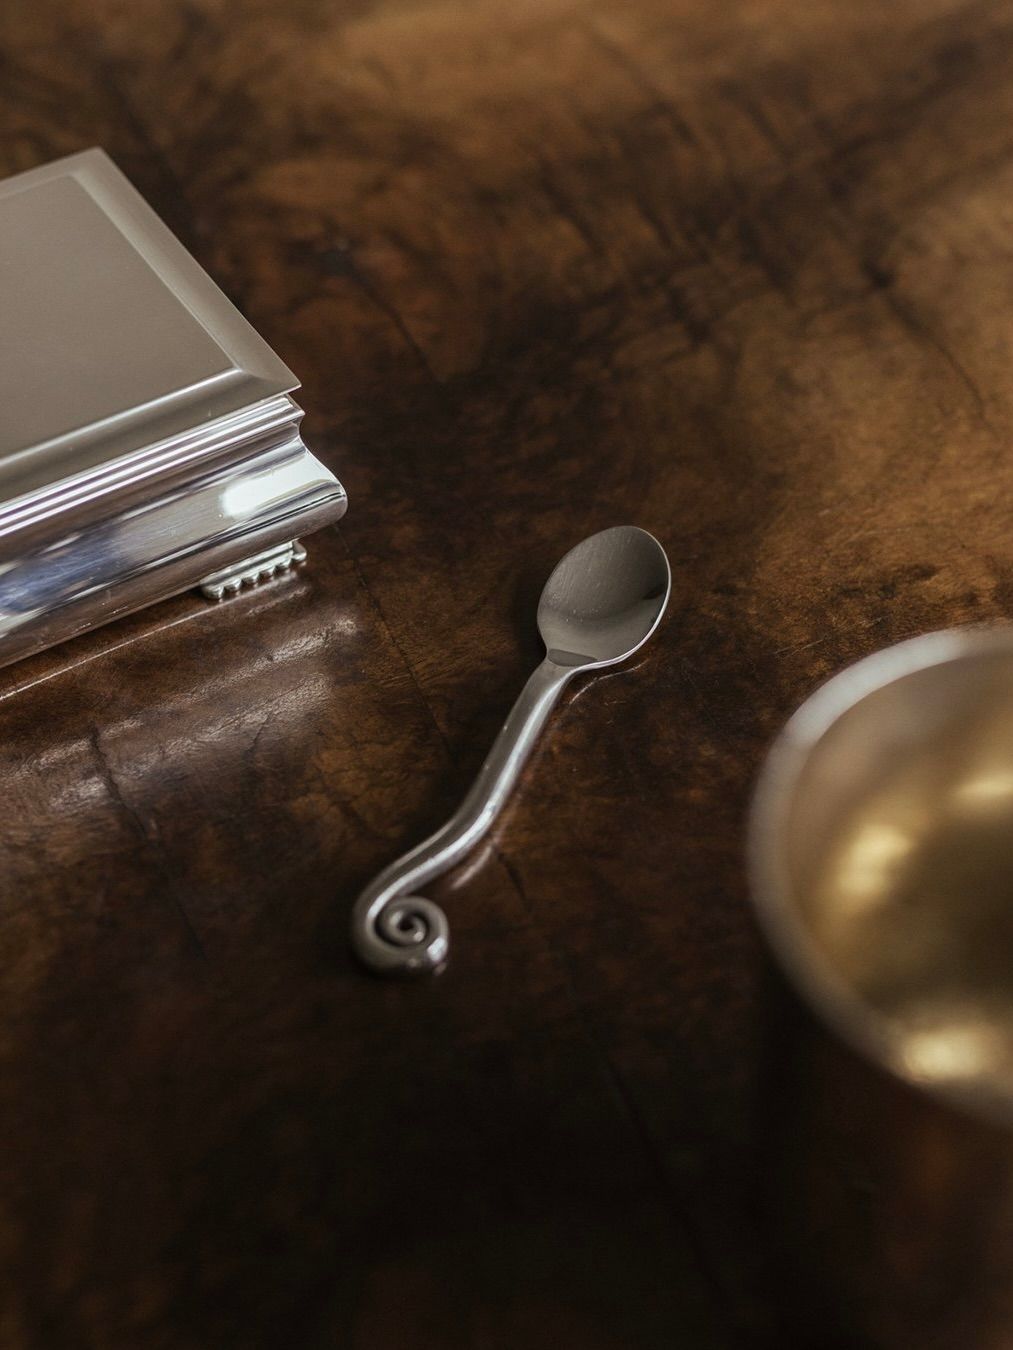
396,932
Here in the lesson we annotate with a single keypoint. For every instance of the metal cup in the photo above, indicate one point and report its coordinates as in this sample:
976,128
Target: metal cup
881,852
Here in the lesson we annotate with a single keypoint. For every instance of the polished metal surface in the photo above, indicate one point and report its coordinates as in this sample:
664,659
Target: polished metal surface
881,846
600,605
149,439
883,857
262,567
112,337
157,548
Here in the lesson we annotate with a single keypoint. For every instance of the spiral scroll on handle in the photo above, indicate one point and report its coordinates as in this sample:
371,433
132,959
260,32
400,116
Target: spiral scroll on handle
394,930
402,935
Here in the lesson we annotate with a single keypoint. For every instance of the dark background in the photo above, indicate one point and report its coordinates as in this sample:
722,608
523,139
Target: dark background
738,273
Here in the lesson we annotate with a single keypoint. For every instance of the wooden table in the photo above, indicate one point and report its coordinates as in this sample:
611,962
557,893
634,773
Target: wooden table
739,273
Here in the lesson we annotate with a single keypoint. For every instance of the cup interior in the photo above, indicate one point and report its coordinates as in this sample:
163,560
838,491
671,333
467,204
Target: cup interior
883,860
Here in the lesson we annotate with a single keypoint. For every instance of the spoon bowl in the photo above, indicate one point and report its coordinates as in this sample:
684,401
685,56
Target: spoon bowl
605,598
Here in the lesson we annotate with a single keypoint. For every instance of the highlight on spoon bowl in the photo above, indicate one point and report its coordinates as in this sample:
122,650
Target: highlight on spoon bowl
602,602
605,598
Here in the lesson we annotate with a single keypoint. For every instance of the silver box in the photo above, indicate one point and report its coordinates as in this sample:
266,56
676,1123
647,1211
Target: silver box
148,438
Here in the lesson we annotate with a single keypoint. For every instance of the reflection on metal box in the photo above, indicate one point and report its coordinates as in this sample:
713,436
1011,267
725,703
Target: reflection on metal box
149,441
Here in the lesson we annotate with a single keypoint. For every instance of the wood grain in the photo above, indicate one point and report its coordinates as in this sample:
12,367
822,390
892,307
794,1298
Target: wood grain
740,274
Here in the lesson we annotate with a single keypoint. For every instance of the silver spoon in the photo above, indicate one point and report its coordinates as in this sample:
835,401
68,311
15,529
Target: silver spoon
601,604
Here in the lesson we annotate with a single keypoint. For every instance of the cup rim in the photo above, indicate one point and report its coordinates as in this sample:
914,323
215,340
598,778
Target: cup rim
828,994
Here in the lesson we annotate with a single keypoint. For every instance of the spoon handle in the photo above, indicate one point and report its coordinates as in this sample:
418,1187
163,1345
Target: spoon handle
396,932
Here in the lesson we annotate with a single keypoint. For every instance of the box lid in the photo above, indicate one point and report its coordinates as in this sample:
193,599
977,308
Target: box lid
112,337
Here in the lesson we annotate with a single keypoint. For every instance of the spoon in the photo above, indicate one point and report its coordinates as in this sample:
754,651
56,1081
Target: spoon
600,605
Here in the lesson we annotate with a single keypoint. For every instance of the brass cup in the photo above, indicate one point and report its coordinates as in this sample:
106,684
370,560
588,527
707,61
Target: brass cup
881,855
